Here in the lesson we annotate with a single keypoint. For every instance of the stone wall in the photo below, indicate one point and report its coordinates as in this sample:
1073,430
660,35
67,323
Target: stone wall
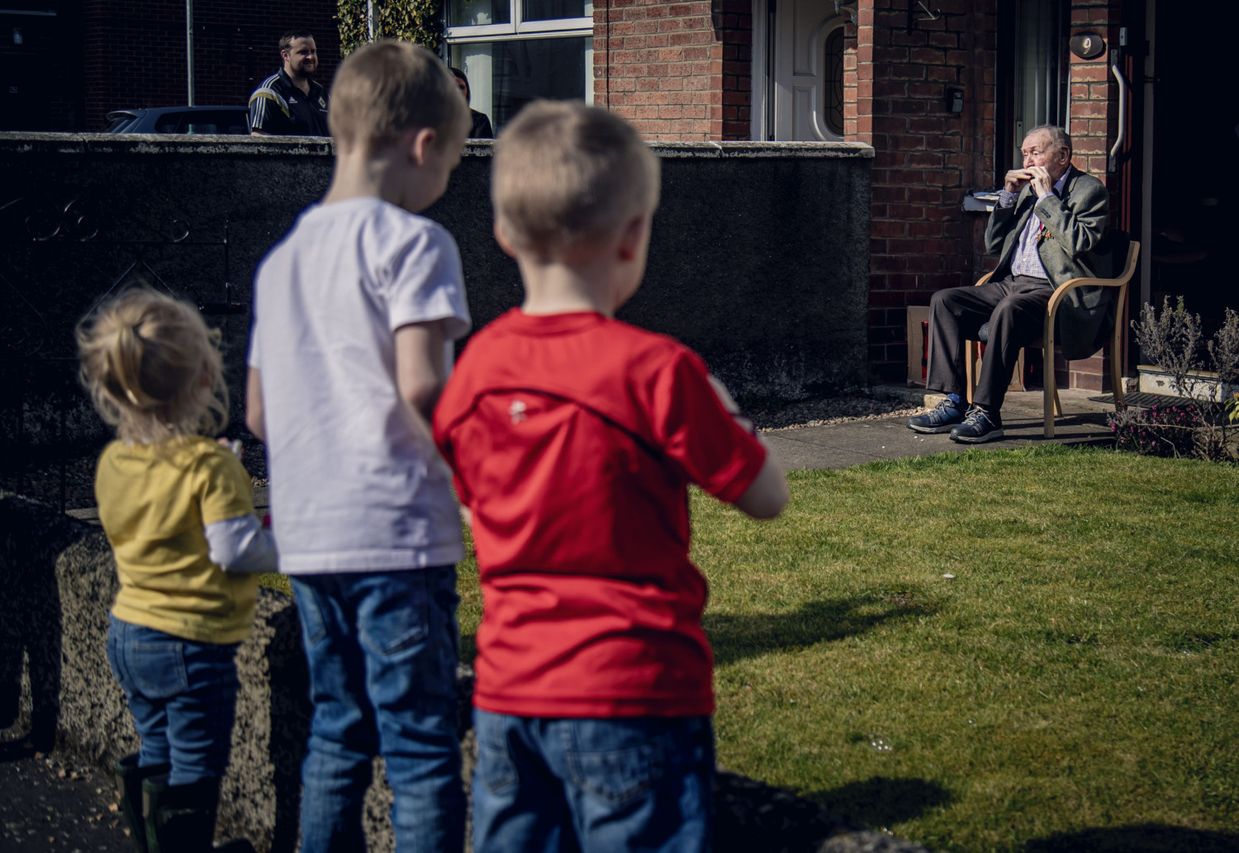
59,581
758,260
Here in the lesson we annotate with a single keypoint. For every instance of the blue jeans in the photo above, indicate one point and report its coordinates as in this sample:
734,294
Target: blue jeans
382,650
640,783
183,697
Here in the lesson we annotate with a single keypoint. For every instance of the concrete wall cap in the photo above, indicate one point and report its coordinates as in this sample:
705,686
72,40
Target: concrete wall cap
167,143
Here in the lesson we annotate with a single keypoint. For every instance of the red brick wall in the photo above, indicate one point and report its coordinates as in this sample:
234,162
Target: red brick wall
1093,125
134,50
926,158
677,70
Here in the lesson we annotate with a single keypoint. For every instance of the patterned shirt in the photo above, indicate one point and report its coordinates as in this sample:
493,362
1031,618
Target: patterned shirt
1026,261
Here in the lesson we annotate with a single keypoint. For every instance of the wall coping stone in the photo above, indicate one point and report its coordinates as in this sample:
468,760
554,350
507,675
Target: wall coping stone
164,143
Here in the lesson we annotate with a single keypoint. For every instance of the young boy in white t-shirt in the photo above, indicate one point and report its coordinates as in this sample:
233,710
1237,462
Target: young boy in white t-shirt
355,314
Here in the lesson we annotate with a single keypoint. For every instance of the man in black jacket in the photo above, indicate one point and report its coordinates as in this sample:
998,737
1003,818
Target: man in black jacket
290,102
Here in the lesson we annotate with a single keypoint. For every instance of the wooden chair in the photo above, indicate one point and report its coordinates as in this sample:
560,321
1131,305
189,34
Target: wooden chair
1052,406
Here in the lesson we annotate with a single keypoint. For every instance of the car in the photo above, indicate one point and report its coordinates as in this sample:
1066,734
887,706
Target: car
228,119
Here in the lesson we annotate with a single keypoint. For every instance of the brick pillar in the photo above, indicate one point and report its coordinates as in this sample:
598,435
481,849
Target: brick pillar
656,65
1093,127
926,158
736,36
676,70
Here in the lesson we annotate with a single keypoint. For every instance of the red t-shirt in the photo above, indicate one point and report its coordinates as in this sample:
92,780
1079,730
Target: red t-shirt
573,438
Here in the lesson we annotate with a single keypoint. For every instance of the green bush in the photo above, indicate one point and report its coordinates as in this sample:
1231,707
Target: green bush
418,21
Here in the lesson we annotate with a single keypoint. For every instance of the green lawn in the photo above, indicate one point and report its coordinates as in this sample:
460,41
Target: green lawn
1078,672
1074,686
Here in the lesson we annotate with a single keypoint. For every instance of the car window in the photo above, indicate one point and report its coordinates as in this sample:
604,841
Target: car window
168,123
216,121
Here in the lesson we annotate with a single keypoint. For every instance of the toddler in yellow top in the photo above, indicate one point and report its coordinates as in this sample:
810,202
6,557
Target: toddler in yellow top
178,512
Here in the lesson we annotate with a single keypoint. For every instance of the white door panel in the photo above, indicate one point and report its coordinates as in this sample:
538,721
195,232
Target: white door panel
800,73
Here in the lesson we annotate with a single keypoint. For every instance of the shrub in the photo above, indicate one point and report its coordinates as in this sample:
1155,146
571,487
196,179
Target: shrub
417,21
1157,430
1174,341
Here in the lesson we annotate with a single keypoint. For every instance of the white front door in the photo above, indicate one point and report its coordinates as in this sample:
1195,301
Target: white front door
806,79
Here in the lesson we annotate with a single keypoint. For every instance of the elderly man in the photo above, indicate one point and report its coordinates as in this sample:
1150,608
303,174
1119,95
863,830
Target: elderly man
290,102
1049,217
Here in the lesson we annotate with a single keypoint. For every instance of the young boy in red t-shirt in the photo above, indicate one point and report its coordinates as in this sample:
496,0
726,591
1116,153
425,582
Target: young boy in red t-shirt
573,438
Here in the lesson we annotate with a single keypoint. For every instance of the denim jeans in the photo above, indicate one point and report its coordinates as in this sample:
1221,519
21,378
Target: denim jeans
641,783
382,650
183,697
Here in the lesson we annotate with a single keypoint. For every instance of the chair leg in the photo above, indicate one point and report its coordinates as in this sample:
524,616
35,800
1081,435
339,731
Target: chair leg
1116,379
1050,402
970,369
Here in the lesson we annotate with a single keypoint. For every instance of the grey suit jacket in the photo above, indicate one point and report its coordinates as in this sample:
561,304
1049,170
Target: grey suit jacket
1070,246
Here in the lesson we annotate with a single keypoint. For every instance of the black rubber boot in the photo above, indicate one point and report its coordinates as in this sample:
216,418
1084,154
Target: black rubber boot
181,818
129,778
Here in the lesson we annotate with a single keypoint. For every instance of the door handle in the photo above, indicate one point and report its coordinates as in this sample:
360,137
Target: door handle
1120,140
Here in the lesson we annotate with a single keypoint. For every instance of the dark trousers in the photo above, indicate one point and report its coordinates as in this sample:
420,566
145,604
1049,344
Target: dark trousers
1015,309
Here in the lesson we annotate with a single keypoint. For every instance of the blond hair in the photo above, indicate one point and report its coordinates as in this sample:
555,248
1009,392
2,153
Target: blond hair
152,367
566,174
388,87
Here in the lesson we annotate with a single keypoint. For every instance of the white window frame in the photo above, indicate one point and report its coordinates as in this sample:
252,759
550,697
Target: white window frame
521,30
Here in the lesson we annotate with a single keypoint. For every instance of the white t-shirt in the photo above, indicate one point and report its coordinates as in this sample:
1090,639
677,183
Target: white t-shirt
355,486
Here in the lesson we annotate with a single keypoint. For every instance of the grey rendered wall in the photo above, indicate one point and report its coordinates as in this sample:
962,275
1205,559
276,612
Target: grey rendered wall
759,261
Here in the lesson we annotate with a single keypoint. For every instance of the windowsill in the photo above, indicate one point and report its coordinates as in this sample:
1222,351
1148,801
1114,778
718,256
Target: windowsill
980,201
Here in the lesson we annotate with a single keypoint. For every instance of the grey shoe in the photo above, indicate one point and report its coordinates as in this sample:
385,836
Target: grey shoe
941,418
978,426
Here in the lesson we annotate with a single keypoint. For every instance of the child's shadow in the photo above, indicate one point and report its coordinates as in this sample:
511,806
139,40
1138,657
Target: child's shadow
290,721
30,620
736,636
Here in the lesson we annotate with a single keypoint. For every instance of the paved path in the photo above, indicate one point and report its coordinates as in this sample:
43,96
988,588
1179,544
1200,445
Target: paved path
855,442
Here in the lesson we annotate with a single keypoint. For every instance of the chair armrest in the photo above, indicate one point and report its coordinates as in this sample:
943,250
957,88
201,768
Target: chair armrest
1060,292
984,279
1122,280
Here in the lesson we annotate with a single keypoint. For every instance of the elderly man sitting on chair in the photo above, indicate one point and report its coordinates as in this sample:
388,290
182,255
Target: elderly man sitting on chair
1049,216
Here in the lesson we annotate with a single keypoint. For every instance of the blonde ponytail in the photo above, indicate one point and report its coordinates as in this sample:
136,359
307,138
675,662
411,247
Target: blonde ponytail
152,367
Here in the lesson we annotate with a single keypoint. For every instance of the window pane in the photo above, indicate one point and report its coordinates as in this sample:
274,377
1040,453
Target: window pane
546,10
506,75
471,13
1040,67
832,91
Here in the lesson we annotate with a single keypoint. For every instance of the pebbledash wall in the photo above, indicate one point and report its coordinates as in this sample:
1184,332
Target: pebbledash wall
758,260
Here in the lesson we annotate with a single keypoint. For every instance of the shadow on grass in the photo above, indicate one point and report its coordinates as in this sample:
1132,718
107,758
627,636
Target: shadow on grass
880,802
1140,838
751,815
736,637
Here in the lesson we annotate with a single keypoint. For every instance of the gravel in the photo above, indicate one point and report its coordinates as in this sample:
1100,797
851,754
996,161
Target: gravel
831,410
